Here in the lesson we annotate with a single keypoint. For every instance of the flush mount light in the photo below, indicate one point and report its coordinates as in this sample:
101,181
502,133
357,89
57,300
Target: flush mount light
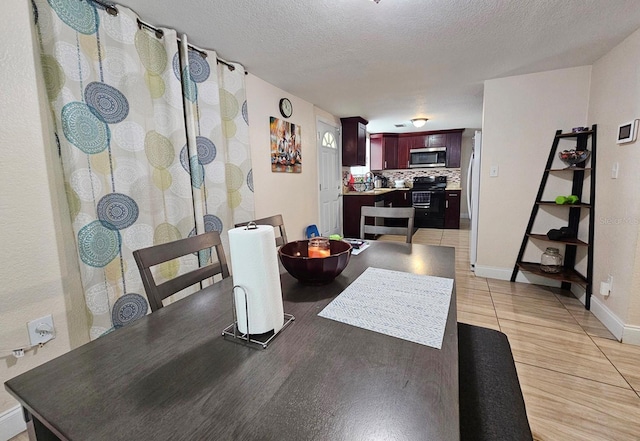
419,122
376,1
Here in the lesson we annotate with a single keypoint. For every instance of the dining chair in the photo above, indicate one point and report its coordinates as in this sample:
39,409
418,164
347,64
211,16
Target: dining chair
274,221
387,213
146,258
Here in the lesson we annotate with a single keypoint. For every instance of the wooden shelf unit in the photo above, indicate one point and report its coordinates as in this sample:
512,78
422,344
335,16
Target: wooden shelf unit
569,275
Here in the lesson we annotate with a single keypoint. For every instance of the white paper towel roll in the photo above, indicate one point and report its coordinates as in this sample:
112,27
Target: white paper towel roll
254,264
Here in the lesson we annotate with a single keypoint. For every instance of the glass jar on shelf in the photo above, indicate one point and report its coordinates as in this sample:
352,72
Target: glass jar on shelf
551,260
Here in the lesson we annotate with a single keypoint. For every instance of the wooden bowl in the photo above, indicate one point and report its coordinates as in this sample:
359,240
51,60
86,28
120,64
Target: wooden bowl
314,270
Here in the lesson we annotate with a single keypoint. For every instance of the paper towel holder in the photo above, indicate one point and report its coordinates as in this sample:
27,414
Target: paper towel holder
261,340
251,226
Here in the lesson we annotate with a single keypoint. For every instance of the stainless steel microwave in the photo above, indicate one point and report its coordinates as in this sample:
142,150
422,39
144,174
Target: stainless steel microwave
428,157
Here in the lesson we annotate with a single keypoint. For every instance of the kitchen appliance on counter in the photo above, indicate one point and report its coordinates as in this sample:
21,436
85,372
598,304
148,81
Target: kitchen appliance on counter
428,198
380,181
428,157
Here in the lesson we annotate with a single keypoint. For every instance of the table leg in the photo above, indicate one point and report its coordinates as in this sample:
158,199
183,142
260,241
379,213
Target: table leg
36,430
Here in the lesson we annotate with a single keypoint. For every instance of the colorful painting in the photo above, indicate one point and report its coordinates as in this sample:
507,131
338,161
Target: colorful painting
286,150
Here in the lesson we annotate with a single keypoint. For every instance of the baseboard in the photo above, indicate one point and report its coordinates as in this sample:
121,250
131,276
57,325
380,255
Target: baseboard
505,274
11,423
492,272
611,321
625,333
631,335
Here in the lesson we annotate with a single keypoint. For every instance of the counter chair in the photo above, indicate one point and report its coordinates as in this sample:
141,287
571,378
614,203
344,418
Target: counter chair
274,221
387,213
147,258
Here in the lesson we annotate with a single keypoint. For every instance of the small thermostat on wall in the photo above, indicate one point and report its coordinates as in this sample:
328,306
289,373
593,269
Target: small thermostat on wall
627,132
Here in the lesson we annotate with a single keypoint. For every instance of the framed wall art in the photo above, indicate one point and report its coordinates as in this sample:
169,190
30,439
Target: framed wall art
286,149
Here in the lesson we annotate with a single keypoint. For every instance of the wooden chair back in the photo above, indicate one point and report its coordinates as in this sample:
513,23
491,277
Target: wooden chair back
147,258
274,221
387,213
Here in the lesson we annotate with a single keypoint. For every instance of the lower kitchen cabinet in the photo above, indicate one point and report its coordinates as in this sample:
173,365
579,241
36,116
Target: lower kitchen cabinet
452,209
351,213
353,202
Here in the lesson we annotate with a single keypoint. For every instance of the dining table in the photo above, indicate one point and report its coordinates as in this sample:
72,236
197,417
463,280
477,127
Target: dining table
171,375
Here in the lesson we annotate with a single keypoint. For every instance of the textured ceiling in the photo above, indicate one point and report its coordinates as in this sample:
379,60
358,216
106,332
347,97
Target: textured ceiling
398,59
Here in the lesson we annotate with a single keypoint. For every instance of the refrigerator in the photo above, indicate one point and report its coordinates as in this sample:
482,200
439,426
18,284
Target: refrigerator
473,196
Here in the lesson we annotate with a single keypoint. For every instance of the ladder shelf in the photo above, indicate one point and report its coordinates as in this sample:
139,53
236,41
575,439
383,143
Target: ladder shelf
568,275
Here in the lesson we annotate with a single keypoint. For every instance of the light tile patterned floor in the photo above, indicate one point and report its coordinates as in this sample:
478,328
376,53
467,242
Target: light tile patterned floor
578,382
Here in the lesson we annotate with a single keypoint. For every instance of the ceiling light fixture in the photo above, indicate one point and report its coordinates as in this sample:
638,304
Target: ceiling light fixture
376,1
419,122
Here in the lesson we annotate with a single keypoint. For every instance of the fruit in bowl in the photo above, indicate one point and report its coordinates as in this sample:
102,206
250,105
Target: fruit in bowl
314,270
573,157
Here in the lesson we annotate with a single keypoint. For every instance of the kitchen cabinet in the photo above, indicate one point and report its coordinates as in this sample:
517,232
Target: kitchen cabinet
404,145
452,209
353,202
354,141
437,140
351,212
454,149
398,198
392,150
384,151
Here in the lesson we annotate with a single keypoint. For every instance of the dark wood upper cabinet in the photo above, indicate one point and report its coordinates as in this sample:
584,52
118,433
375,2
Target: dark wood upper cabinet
454,147
404,145
384,151
383,146
354,141
437,140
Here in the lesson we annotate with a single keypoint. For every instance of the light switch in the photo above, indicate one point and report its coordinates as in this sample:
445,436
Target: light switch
614,170
493,171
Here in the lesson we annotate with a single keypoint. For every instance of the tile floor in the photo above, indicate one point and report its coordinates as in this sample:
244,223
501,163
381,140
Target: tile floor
578,382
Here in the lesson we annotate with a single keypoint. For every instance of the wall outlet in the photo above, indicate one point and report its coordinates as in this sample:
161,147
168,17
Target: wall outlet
605,287
41,330
493,171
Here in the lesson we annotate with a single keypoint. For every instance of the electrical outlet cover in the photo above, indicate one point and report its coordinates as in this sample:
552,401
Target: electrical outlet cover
41,330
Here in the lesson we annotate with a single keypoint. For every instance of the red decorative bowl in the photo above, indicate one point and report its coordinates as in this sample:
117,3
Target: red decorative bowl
314,270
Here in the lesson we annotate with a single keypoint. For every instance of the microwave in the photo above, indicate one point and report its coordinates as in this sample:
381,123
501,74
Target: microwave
428,157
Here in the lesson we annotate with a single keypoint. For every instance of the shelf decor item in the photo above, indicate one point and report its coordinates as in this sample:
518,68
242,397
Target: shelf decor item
551,260
573,157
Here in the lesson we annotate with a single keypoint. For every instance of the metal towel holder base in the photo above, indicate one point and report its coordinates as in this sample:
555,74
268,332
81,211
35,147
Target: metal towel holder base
251,340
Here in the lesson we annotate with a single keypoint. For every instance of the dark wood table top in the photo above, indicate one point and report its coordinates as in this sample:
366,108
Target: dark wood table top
171,375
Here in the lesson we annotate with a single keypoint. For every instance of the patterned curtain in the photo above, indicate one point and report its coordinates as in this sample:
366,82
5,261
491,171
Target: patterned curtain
117,102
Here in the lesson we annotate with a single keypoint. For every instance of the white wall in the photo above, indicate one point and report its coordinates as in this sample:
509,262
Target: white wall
294,195
39,272
521,115
615,99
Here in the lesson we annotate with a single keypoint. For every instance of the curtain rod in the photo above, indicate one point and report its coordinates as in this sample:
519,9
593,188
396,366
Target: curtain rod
160,33
113,10
109,7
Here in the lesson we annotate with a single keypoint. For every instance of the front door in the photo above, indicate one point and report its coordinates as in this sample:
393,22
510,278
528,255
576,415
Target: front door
329,179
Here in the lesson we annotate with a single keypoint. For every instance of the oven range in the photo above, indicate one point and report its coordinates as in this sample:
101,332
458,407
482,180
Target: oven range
428,198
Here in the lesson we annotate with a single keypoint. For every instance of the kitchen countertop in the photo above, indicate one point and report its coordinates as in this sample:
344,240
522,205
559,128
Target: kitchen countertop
374,192
387,190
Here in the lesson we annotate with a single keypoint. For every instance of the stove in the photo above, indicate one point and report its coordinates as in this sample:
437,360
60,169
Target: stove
428,198
430,183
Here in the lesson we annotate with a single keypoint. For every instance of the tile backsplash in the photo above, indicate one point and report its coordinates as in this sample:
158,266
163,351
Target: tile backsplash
452,174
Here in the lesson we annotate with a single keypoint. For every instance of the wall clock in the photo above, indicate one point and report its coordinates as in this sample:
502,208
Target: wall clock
286,108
